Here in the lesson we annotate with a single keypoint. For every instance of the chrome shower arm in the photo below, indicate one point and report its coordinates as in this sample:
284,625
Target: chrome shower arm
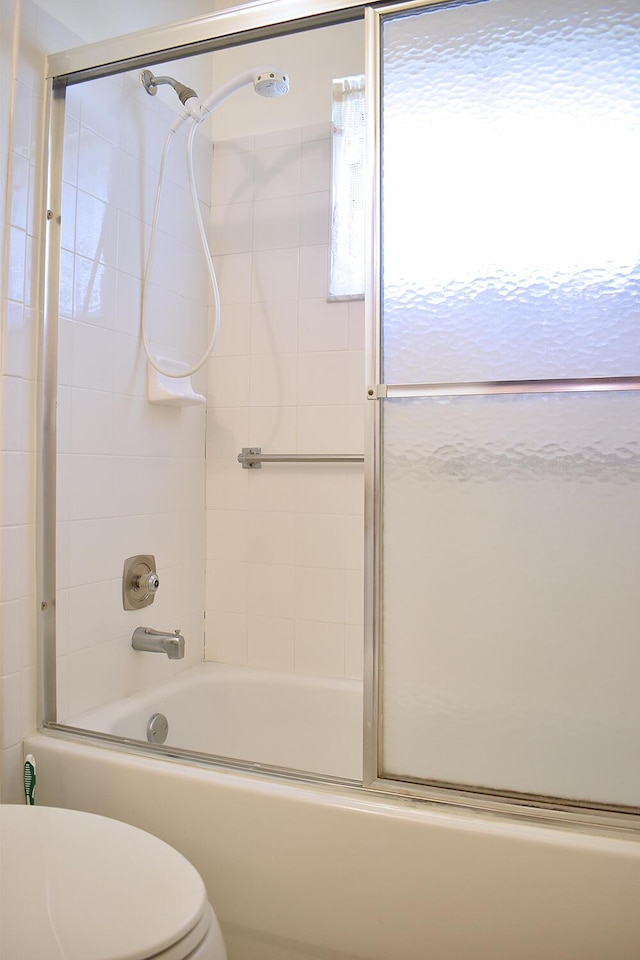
151,84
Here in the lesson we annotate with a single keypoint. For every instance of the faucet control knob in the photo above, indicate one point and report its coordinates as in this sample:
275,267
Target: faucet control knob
140,582
147,583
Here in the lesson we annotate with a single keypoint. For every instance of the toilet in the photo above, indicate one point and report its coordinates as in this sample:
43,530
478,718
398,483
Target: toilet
76,886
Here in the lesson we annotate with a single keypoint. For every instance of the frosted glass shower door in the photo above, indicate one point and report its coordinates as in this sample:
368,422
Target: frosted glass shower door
510,422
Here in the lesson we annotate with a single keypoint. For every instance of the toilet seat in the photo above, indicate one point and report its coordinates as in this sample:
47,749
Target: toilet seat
75,886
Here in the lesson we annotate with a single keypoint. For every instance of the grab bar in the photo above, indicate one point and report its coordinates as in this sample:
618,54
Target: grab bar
252,458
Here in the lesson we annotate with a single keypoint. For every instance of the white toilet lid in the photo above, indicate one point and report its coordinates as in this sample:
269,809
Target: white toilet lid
75,886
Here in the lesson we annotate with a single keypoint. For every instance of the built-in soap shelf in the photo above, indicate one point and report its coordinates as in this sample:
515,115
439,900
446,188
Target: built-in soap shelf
172,391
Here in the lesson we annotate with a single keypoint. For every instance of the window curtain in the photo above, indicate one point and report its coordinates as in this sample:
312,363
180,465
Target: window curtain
347,202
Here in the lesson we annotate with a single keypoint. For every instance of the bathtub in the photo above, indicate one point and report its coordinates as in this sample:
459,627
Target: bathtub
318,871
266,718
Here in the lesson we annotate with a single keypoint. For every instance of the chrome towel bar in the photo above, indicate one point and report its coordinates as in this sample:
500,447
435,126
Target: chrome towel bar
252,458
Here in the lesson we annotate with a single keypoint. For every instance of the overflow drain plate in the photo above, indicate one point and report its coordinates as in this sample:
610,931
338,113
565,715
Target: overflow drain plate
157,728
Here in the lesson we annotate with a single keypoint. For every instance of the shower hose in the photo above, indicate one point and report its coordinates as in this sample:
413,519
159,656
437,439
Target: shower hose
207,255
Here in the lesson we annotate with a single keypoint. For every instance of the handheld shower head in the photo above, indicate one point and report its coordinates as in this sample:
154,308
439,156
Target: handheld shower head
267,81
271,83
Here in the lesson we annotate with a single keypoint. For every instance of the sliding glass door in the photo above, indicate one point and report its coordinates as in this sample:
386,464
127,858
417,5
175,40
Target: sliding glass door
510,404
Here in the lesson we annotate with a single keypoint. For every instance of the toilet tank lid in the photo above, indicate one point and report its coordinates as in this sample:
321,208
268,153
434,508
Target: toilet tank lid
77,886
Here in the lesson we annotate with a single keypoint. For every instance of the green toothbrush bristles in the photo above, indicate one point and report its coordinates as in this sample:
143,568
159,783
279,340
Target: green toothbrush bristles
30,780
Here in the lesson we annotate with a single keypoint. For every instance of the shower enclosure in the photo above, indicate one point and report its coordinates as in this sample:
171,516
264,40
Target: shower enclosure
260,567
499,391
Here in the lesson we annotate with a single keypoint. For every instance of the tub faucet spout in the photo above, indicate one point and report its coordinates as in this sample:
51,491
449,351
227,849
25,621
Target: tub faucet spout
156,641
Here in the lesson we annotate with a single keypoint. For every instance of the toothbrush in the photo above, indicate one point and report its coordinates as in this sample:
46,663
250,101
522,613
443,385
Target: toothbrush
30,780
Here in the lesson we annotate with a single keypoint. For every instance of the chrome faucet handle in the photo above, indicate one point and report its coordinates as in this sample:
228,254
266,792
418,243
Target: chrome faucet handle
147,583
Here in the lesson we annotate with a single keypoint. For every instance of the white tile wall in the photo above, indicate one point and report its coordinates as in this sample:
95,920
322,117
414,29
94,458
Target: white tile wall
285,543
131,475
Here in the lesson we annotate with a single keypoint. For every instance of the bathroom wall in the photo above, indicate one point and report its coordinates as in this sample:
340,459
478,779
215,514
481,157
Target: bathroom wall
7,15
26,34
285,542
130,474
94,22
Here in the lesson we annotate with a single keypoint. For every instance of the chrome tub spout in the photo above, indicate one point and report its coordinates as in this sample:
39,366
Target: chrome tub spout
156,641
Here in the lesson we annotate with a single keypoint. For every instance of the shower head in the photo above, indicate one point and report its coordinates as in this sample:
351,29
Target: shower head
266,81
271,83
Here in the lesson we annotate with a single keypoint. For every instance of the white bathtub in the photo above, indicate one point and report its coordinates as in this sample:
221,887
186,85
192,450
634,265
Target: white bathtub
313,872
284,720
